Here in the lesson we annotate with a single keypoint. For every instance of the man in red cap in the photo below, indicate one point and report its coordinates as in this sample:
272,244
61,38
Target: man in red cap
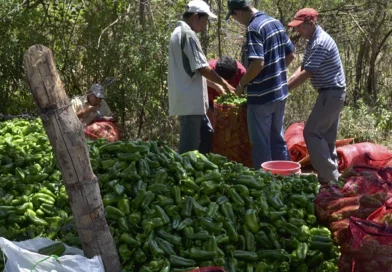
323,66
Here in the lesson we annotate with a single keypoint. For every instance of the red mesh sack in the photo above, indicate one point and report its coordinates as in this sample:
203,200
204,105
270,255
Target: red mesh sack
231,138
363,154
107,130
295,141
208,269
380,159
383,214
362,170
363,184
339,231
386,174
306,161
370,203
361,195
369,248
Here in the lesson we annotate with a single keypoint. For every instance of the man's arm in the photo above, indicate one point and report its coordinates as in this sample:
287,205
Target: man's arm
218,88
299,77
82,112
254,69
289,59
211,75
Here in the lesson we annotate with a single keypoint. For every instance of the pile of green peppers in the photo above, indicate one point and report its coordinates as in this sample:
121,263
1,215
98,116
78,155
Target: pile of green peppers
167,212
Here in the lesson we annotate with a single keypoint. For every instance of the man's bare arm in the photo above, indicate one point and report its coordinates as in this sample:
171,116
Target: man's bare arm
82,113
289,59
299,77
212,76
218,88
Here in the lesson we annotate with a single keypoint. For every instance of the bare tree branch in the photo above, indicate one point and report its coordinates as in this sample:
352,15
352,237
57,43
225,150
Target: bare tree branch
27,4
363,31
112,24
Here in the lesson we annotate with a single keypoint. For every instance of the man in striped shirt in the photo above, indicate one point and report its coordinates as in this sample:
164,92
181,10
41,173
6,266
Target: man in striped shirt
322,64
269,51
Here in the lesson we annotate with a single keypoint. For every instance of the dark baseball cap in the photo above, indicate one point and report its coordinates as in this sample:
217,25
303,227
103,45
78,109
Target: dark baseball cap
235,4
98,90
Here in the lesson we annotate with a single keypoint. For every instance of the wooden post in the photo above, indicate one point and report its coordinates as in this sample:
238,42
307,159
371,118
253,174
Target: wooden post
66,136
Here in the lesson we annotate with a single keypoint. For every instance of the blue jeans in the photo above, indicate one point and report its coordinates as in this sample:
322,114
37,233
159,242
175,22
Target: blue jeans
266,134
195,133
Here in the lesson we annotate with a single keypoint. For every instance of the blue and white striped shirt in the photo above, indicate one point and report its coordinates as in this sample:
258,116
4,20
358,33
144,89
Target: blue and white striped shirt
322,59
267,40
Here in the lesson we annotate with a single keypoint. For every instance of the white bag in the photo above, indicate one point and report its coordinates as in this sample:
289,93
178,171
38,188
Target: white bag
22,257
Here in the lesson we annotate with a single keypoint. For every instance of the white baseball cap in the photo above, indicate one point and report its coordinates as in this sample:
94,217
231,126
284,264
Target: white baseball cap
199,6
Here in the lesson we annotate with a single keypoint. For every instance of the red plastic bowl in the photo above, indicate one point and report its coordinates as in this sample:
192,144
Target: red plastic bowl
283,168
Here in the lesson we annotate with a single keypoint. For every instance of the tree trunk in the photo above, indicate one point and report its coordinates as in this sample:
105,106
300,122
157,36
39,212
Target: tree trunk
358,71
204,40
142,12
66,136
219,28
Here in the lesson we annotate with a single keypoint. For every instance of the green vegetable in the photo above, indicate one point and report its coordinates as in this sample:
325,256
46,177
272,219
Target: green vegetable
124,252
113,213
126,238
167,247
249,239
124,206
227,211
251,220
197,254
55,249
178,261
245,255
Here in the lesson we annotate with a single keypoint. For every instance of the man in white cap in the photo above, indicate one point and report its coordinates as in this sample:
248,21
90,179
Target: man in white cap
188,76
91,107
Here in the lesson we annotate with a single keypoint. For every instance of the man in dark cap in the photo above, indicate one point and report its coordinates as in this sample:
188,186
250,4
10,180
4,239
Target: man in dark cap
268,51
92,106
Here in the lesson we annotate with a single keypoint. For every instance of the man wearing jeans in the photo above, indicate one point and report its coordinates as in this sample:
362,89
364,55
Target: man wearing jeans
187,84
269,52
322,64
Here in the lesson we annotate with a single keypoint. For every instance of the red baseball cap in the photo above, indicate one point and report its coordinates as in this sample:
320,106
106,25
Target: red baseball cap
305,14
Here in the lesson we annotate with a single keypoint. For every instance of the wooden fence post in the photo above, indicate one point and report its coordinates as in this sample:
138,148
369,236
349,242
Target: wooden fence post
66,136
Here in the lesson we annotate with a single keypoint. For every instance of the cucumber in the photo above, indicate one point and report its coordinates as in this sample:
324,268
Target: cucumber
56,249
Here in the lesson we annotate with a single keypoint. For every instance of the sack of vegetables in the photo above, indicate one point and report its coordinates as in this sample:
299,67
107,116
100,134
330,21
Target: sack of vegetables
231,129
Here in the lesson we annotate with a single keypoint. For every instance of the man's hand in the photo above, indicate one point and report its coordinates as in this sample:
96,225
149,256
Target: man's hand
214,80
89,110
219,89
106,119
239,90
299,77
229,88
